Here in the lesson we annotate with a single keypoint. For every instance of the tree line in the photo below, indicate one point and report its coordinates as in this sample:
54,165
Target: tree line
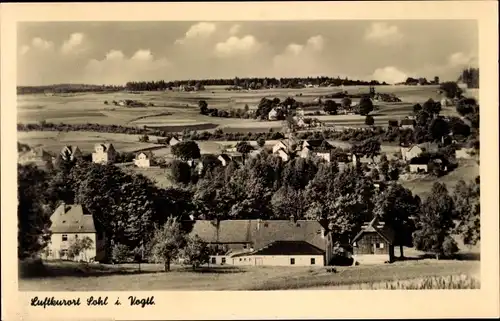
67,88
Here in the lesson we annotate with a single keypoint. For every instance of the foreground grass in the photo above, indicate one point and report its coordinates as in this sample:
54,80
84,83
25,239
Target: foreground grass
77,277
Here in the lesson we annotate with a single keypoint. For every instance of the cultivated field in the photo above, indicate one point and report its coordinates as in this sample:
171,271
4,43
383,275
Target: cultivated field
176,111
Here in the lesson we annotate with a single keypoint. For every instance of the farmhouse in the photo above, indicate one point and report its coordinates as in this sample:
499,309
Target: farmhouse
104,153
419,164
71,152
72,222
143,159
172,141
365,160
318,148
266,242
285,156
374,243
407,153
35,155
407,124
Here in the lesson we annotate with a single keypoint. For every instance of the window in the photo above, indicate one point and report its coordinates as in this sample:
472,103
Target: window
240,258
355,244
292,261
245,246
213,260
223,260
64,237
381,245
76,236
313,261
377,245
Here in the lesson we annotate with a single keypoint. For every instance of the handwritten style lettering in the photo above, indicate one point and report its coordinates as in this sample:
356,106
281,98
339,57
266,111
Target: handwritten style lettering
142,302
54,302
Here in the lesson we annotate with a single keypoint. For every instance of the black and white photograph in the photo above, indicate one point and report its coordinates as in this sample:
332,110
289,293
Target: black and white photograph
248,155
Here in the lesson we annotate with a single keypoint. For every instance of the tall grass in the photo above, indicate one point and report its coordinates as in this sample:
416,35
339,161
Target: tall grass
452,282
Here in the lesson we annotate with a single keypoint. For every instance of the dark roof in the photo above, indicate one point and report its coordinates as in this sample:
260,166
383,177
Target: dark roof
149,154
318,144
289,248
259,232
72,219
407,122
225,157
106,146
375,226
420,160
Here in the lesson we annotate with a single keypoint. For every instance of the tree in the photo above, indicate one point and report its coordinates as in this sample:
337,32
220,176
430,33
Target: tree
346,102
186,150
369,147
196,252
451,89
466,106
431,107
180,172
365,106
396,207
330,107
369,120
144,138
438,128
203,106
33,217
417,108
244,148
167,242
467,210
80,246
286,202
435,222
261,142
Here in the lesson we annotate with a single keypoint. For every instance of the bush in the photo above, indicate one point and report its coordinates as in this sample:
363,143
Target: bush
450,247
180,172
369,120
121,253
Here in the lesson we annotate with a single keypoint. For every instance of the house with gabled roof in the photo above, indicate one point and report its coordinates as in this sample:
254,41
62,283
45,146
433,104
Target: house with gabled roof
225,159
266,242
71,152
407,153
34,155
72,222
143,159
317,148
104,153
374,243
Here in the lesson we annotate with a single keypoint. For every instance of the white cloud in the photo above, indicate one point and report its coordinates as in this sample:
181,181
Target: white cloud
142,54
300,58
74,44
199,30
234,29
24,49
42,44
389,74
383,33
460,59
237,46
114,55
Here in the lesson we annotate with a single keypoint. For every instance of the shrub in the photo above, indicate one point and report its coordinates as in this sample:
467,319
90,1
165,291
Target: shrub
369,120
121,253
180,172
450,247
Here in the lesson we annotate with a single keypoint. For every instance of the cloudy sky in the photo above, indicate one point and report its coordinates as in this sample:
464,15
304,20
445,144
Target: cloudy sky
117,52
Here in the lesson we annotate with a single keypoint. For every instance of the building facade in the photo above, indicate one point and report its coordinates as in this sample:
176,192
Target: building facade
104,153
374,244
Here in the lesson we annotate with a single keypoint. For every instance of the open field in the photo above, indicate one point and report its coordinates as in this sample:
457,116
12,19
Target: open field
73,276
176,111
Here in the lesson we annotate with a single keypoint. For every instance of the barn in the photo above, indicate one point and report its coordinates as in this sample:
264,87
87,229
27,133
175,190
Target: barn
374,244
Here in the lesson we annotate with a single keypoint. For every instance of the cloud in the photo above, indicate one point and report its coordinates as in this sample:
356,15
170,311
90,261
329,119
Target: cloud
389,74
234,46
199,30
42,44
460,59
383,33
74,44
300,58
115,68
234,29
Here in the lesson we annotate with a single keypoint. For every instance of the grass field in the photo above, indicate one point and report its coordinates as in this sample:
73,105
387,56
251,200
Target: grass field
79,277
176,111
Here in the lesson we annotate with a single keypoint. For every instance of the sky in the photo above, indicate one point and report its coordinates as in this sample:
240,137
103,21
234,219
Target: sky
117,52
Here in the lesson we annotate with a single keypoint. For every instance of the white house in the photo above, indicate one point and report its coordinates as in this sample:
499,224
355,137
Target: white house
407,153
273,114
174,141
69,223
104,153
366,160
283,155
143,159
419,164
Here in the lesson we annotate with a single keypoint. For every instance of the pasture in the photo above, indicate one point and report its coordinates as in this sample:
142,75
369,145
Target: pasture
176,111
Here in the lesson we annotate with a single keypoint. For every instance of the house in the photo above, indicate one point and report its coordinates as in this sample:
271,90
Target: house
365,160
172,141
374,244
104,153
407,153
317,147
72,222
71,152
464,153
35,155
273,114
285,156
407,123
225,159
143,159
419,164
266,242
